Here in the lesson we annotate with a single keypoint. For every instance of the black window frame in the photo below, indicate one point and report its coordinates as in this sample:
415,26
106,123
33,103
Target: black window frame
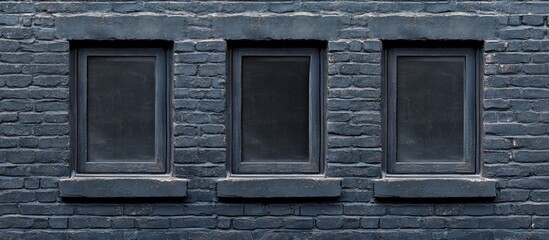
316,68
471,114
80,51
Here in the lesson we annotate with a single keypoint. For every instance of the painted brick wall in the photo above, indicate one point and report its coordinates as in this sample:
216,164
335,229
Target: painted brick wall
34,125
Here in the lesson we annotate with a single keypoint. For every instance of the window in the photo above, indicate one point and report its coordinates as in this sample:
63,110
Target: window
275,110
121,109
431,110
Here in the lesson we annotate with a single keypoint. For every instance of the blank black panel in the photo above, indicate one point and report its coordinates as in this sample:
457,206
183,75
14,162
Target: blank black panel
121,109
430,109
275,108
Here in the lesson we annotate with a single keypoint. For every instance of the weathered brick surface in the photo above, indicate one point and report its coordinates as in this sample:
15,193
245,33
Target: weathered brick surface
34,122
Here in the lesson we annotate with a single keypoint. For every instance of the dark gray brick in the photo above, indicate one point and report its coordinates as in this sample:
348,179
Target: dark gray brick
50,69
11,183
369,222
533,20
194,222
353,171
47,196
410,210
49,81
539,195
222,235
448,210
152,223
153,235
30,118
15,58
298,223
463,222
399,222
16,32
16,222
15,130
15,81
338,222
88,222
184,46
478,210
95,234
122,222
531,208
211,70
229,210
323,209
49,170
8,45
40,223
58,223
137,210
32,183
244,224
45,209
337,46
48,183
99,210
44,34
9,20
505,222
280,210
353,130
254,209
10,69
51,106
363,210
513,195
540,222
127,8
517,33
528,183
8,142
211,46
433,223
8,209
51,130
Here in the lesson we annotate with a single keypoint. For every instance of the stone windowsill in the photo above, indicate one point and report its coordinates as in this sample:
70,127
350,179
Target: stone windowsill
122,187
279,187
435,188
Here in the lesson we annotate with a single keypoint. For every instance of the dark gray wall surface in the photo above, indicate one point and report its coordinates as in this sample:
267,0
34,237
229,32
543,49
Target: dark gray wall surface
34,119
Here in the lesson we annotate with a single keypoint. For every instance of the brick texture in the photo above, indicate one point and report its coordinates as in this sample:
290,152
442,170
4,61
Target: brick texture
34,127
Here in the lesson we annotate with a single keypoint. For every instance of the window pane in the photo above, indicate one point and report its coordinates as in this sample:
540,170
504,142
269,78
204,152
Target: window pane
275,109
430,109
121,109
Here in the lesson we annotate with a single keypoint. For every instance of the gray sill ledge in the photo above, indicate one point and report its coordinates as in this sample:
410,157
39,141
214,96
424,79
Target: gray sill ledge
279,187
112,187
435,188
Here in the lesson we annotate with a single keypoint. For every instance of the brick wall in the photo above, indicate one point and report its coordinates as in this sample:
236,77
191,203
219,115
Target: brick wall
34,117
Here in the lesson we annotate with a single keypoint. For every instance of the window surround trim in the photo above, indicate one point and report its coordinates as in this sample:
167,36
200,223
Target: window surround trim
78,88
471,113
313,166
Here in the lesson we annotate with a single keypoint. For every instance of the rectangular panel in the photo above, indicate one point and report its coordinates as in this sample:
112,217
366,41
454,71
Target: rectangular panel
275,108
121,109
430,109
